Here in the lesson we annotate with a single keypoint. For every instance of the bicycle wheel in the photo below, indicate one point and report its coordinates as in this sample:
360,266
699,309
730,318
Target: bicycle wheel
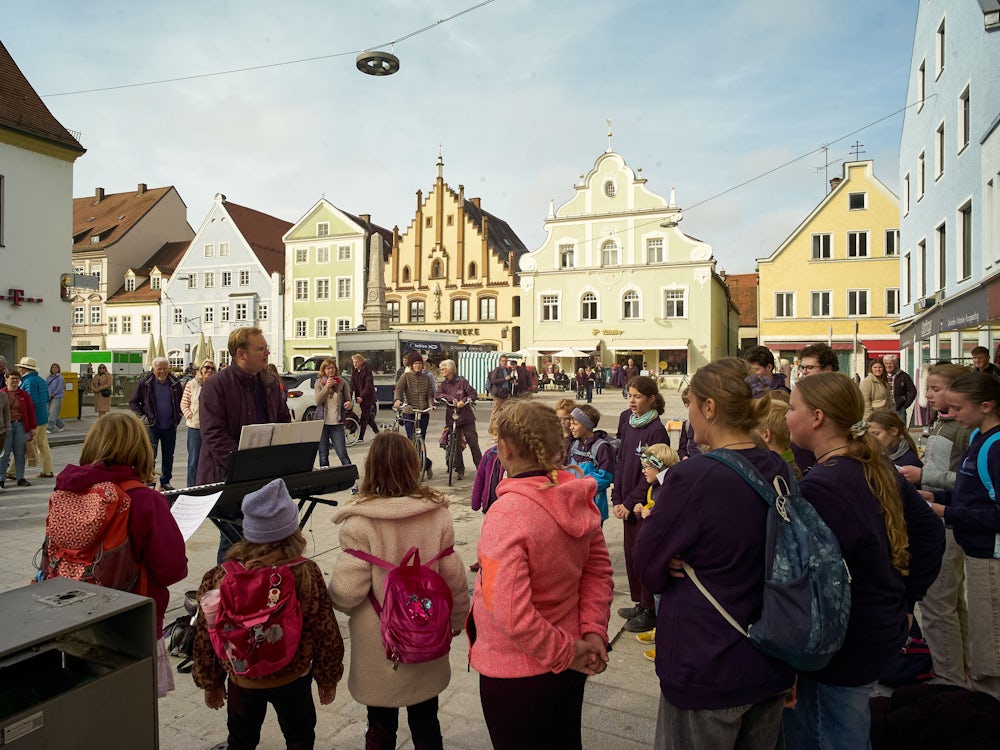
449,453
351,431
418,443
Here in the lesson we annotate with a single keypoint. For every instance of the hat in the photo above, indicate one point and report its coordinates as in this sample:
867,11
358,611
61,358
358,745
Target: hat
413,357
28,363
269,514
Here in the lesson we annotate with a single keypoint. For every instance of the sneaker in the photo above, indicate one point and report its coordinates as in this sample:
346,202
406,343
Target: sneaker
648,637
629,612
642,622
459,477
45,475
23,483
165,487
650,654
2,490
61,429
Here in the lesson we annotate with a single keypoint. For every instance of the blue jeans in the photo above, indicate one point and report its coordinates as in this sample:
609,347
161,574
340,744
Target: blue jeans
17,439
194,448
333,433
829,717
55,421
167,436
409,426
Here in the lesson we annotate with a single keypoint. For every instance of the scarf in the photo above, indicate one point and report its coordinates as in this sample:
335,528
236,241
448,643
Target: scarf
641,420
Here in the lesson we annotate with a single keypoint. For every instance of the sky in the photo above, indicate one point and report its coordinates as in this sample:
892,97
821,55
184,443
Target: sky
703,96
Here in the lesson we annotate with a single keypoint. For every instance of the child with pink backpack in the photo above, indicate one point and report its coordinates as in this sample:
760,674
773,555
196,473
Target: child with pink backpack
267,623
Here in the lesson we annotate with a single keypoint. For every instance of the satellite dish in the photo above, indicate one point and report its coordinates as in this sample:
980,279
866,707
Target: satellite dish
377,63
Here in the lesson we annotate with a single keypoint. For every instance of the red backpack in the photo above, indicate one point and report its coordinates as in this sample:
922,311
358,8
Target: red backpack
86,538
415,615
259,623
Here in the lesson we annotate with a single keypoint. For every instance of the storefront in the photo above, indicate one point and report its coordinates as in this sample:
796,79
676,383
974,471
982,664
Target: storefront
658,356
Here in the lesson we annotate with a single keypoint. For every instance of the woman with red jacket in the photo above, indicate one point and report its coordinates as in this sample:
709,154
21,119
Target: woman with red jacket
22,428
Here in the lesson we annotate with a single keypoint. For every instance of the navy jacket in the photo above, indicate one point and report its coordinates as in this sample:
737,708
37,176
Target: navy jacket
143,402
975,517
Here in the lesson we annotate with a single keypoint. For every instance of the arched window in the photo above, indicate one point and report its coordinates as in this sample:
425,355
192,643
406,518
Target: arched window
406,274
630,305
609,253
472,271
436,272
588,306
610,189
566,256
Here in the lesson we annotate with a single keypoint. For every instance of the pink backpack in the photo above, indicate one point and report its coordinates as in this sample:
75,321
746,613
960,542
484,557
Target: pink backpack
415,615
258,625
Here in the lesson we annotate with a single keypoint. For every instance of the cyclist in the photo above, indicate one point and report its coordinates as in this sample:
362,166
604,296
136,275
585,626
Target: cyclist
457,391
415,390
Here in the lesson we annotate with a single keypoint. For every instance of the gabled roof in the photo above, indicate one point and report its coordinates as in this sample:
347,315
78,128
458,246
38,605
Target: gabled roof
167,258
110,217
263,233
22,110
372,228
502,240
743,291
142,293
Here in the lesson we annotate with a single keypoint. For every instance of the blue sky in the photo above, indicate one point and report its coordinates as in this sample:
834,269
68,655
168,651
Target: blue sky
703,96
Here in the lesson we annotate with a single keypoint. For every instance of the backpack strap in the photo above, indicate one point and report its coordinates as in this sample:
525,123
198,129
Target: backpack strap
982,462
413,552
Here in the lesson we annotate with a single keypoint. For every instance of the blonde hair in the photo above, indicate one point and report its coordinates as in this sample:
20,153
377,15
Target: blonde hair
773,420
841,402
266,554
667,455
398,472
565,404
533,432
119,438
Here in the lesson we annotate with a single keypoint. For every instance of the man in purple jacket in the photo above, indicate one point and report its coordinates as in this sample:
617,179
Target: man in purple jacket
157,402
363,389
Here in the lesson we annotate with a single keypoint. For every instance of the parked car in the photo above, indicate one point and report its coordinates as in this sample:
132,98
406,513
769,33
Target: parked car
300,387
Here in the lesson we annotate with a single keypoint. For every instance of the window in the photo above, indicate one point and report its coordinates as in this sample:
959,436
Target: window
428,222
209,279
227,279
940,237
515,303
301,255
323,229
393,307
301,290
921,174
262,311
244,277
588,306
209,251
96,273
630,305
224,249
487,308
130,284
907,270
821,304
224,311
322,328
192,281
78,315
437,270
145,324
126,324
939,151
922,260
344,287
176,359
301,328
417,311
242,311
451,220
906,194
857,244
208,315
673,303
857,301
322,255
344,252
892,302
322,288
406,274
921,84
154,282
965,226
891,242
857,201
343,324
654,250
178,315
566,256
963,120
784,304
550,307
609,188
939,51
472,271
609,253
112,325
822,246
460,309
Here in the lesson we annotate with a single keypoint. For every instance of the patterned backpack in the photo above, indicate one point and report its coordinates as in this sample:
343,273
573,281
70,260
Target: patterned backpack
415,614
258,625
86,538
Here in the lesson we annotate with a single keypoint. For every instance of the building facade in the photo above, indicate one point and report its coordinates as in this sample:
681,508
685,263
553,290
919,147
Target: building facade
835,278
616,278
743,290
949,165
455,270
36,197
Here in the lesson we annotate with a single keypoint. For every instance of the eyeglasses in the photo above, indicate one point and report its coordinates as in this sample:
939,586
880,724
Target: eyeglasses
808,368
209,369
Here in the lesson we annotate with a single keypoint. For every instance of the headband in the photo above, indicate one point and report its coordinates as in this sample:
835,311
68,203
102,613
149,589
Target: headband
648,459
581,416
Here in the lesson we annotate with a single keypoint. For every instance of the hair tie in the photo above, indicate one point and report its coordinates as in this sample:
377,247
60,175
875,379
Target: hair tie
757,385
859,428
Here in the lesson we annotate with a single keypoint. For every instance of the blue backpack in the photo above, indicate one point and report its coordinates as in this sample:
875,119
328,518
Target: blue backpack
984,476
807,586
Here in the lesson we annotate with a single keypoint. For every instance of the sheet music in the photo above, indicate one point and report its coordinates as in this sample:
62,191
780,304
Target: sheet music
297,432
191,510
255,436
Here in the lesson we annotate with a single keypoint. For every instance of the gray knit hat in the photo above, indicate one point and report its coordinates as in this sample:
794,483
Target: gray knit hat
269,514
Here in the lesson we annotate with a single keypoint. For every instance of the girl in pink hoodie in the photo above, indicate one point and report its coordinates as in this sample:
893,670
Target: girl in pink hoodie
539,623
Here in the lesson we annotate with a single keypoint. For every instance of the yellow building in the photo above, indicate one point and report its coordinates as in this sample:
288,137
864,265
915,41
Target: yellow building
835,279
454,270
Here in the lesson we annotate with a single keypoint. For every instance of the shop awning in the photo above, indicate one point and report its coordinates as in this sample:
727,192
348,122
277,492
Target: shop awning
796,346
641,345
881,347
547,347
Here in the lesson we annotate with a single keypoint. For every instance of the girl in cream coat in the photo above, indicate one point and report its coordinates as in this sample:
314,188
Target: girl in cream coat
392,513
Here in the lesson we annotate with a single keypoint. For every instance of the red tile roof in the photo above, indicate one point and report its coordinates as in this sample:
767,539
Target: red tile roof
263,233
22,110
743,290
142,293
166,258
110,217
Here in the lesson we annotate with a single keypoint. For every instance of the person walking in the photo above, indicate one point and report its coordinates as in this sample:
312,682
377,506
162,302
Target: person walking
459,393
102,385
363,389
34,386
4,428
157,402
21,431
901,388
333,396
190,408
501,382
56,384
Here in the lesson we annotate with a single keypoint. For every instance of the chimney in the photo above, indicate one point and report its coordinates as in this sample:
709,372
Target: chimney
366,218
475,202
98,195
141,189
835,181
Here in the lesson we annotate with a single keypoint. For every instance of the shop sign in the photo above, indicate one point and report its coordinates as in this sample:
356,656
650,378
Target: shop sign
16,297
967,311
606,332
459,331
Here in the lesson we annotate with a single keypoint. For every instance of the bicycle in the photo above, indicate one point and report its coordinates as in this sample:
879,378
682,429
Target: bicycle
453,443
685,382
418,434
352,428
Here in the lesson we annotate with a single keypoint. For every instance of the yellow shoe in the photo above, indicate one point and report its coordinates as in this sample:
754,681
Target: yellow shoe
648,637
650,654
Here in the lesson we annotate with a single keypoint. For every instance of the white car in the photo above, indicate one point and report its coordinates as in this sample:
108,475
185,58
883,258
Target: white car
301,399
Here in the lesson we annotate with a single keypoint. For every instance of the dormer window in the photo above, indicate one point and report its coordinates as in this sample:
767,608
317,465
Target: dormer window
95,239
154,281
130,283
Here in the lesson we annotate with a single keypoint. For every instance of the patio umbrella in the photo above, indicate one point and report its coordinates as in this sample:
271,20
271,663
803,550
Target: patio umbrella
147,361
570,353
102,345
159,348
199,350
209,350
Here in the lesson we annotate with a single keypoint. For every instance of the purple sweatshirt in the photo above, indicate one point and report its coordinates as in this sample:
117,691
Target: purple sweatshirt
630,484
